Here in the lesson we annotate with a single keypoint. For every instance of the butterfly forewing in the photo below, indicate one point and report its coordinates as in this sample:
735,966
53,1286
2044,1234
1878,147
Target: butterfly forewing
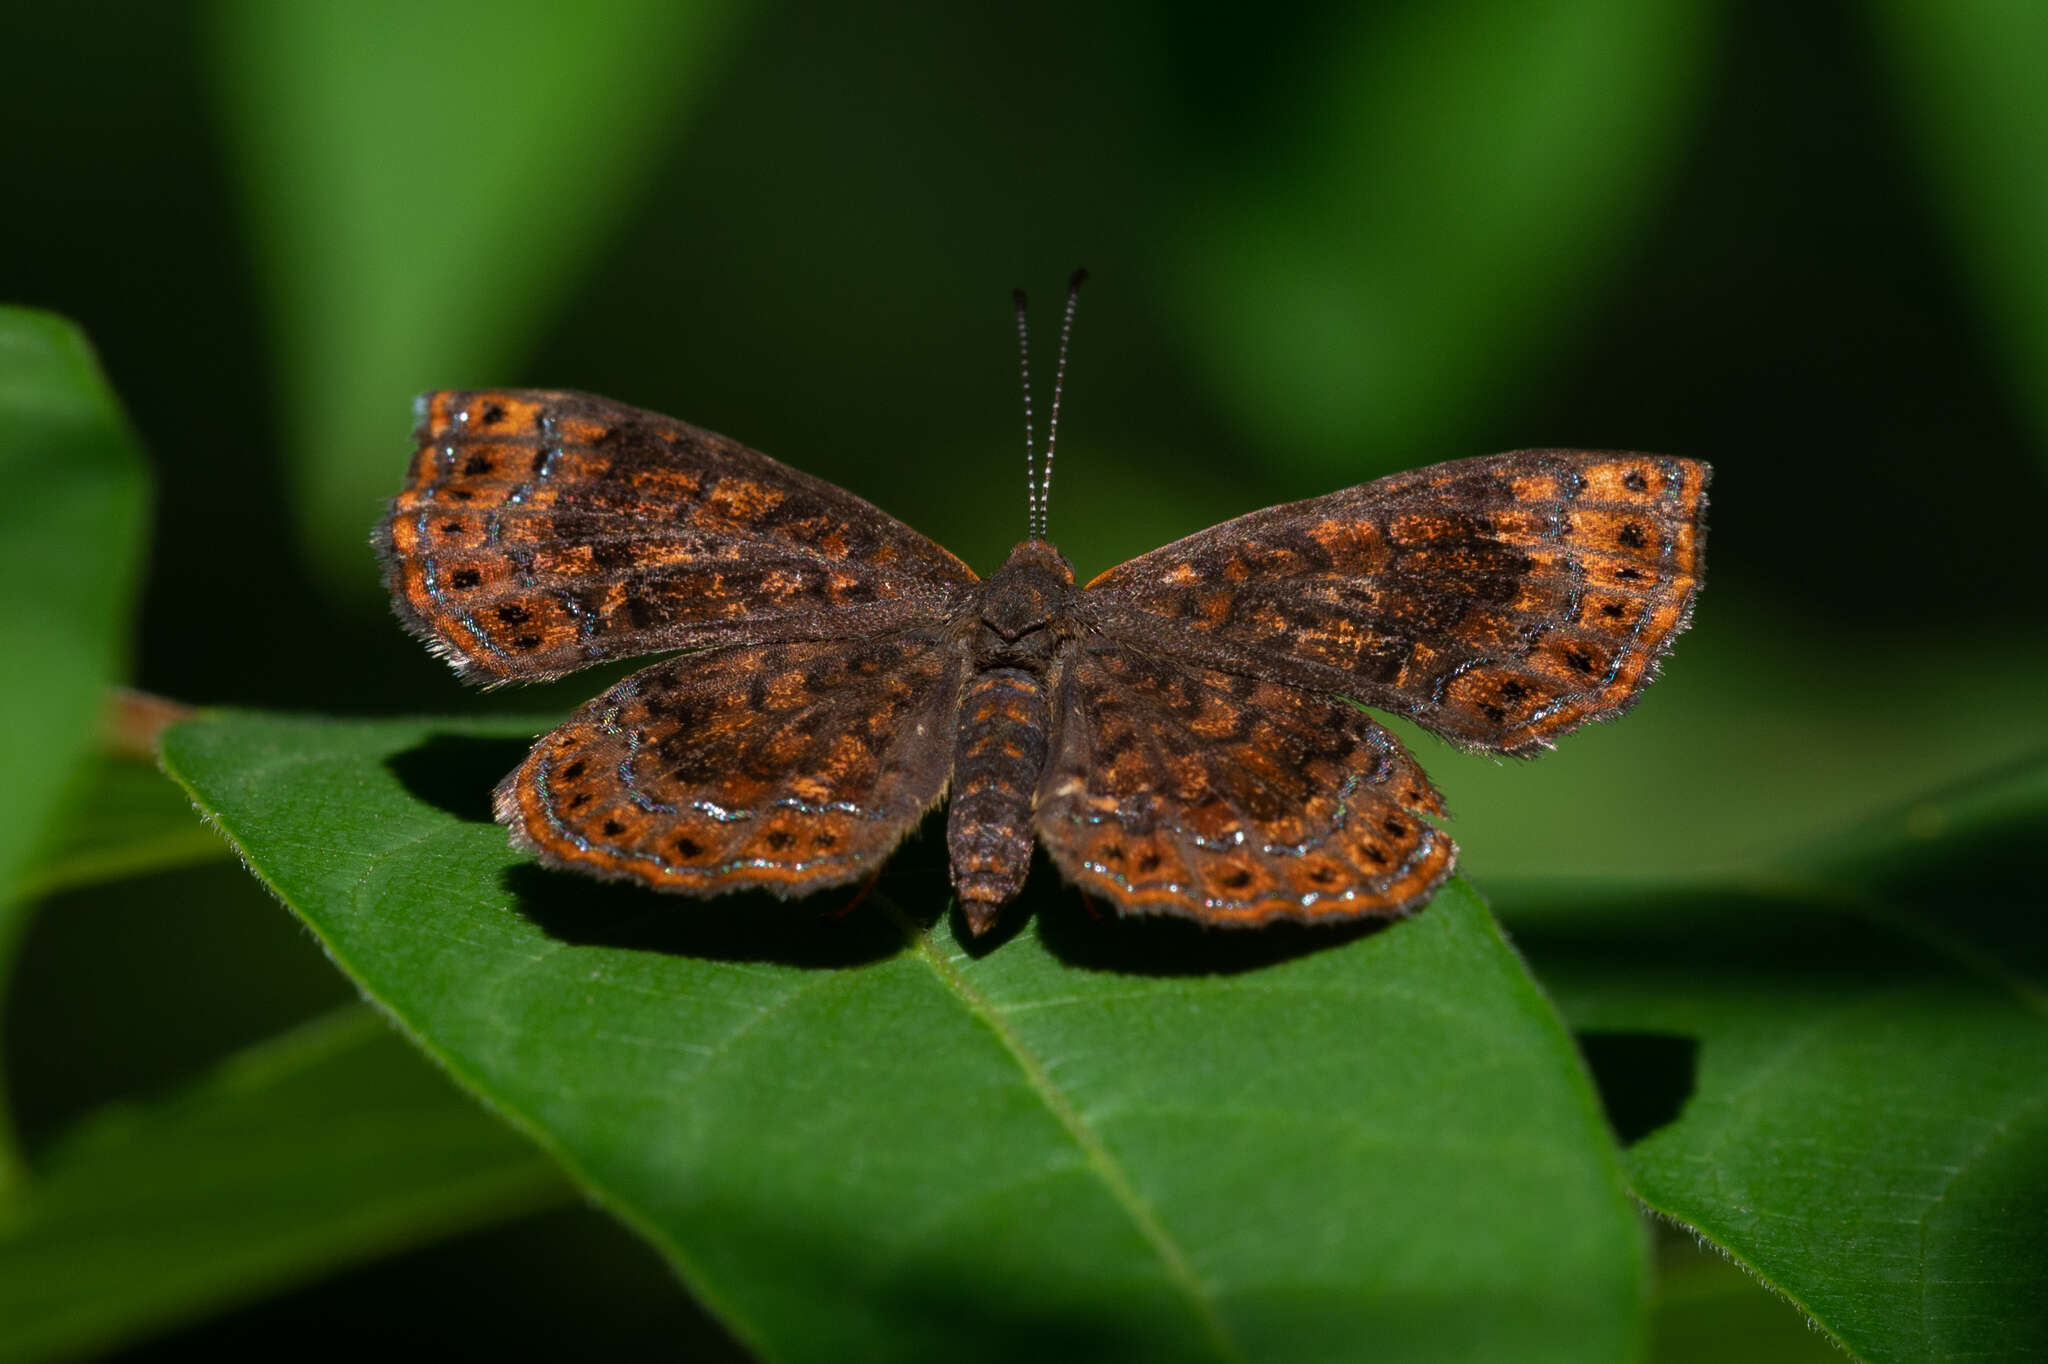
1230,799
785,766
1500,601
542,531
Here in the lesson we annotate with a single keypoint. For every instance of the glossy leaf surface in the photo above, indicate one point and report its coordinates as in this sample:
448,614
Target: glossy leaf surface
1857,1061
1104,1139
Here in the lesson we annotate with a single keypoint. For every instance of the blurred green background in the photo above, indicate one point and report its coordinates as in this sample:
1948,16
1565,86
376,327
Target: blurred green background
1329,241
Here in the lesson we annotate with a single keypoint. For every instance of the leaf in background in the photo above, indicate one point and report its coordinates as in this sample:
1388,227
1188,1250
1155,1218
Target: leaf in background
1102,1139
1965,861
71,547
428,183
130,821
1422,234
1972,72
327,1146
1868,1118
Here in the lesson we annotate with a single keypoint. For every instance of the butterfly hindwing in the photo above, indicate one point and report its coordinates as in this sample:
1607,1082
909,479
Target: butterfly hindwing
788,767
1232,800
1499,602
542,531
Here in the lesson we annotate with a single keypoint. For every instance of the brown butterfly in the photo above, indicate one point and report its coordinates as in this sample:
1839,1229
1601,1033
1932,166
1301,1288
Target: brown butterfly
1183,734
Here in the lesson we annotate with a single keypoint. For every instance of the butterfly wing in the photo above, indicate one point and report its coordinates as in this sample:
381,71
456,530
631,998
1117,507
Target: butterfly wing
1499,602
787,767
539,532
1231,799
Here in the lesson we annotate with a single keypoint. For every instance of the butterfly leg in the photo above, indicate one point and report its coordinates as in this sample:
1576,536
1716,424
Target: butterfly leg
1004,715
860,896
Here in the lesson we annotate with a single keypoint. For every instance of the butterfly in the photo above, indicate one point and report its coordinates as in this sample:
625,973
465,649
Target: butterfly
1185,734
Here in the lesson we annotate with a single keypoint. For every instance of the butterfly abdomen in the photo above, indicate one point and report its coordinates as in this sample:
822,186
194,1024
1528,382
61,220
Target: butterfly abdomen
997,758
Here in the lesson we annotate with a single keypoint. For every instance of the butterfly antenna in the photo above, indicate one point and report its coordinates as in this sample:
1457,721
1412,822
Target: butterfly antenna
1059,381
1030,445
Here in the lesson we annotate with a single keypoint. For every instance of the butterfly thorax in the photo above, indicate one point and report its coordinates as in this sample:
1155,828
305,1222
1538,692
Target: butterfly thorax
1025,610
1023,617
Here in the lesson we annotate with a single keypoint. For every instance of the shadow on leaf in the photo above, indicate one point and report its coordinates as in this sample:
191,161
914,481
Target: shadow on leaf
456,773
749,926
1645,1078
1096,938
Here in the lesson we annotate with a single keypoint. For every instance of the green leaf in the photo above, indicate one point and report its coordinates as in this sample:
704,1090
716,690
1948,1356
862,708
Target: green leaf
1869,1097
71,540
1972,73
856,1138
327,1146
130,821
428,183
1423,229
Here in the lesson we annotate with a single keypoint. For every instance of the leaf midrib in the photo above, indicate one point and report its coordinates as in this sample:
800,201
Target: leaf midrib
1094,1151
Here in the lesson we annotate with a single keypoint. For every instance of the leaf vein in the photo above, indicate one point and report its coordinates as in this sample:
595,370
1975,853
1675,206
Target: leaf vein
1105,1165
